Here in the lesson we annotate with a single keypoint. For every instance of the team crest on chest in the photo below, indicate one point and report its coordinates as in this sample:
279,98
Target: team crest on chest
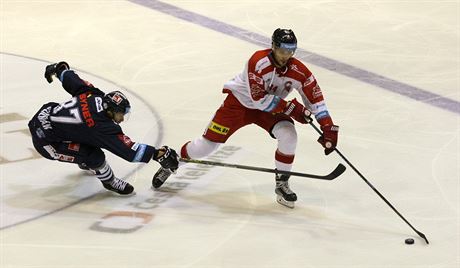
287,86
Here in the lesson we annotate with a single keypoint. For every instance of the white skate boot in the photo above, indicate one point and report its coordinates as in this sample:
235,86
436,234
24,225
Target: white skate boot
284,195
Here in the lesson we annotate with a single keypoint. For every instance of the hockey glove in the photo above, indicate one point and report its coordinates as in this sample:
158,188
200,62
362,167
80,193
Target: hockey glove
297,111
167,158
329,138
55,69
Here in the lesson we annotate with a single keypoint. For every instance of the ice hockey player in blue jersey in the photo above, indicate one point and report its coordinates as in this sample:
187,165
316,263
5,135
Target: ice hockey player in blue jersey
75,131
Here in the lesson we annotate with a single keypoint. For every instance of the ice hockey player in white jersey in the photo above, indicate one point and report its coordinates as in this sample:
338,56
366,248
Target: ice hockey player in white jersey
256,96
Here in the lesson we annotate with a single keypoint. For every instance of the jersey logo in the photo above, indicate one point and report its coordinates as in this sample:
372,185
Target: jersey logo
74,147
294,68
317,92
257,92
309,80
219,129
65,158
126,140
254,77
135,146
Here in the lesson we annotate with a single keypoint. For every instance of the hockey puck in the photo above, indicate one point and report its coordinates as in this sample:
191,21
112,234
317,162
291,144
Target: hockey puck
409,241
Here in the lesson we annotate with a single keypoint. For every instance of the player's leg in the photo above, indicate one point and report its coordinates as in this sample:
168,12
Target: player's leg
282,129
93,159
198,148
286,136
227,119
87,157
41,144
44,148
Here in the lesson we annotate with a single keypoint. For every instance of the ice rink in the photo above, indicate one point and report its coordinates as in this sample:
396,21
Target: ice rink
390,73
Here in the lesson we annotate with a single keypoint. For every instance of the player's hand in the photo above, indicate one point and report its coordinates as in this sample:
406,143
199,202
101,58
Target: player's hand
329,138
55,69
297,111
167,158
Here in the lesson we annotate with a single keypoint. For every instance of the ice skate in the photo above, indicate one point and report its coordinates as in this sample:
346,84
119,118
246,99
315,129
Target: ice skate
284,195
160,177
119,186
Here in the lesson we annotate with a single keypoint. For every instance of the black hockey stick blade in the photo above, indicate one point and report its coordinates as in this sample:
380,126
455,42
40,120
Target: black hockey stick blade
422,236
334,174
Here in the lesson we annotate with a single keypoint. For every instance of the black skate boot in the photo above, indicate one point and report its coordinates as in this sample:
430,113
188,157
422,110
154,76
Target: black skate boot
118,186
160,177
284,195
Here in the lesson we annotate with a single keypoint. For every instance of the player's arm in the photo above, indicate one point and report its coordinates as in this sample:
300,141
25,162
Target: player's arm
121,145
313,98
71,82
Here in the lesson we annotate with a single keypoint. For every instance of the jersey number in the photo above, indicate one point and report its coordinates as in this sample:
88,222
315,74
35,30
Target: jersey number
74,117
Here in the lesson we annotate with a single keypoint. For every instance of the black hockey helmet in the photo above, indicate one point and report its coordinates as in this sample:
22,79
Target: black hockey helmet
116,101
284,38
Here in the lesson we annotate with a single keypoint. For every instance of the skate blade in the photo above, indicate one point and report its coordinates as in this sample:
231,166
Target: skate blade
155,188
121,195
283,202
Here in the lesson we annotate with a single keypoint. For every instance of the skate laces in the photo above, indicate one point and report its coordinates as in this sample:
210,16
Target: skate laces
284,185
163,174
118,184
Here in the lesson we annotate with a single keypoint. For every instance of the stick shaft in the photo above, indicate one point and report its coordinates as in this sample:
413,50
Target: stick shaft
339,170
372,187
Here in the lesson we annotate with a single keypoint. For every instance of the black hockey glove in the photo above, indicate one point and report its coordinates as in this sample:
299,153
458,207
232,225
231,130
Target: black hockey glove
55,69
167,158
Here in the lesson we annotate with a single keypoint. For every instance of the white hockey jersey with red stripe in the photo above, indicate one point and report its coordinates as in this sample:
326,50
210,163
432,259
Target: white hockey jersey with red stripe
261,86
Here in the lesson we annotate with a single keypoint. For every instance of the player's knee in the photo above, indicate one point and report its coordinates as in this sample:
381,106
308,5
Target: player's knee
95,159
286,135
199,148
285,130
209,145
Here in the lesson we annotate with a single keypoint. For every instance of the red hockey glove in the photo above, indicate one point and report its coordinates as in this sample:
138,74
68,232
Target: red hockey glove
297,111
329,138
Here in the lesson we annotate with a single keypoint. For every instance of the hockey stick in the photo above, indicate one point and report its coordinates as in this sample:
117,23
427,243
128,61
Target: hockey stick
373,188
334,174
